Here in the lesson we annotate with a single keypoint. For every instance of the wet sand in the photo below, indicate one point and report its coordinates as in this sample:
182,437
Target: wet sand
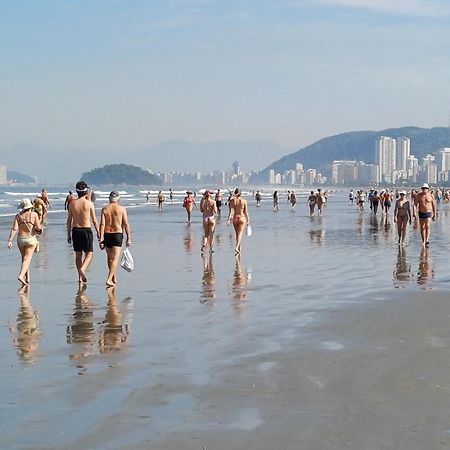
322,335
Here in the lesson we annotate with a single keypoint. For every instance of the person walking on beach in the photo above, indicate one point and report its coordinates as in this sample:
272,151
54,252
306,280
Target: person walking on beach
80,219
161,199
258,198
351,197
114,220
312,203
219,200
46,201
148,196
70,198
293,200
171,196
387,203
188,204
26,224
276,201
402,215
208,209
239,214
375,201
320,201
40,208
426,207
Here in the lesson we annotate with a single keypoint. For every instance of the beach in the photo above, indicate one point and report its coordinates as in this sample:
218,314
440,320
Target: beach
322,335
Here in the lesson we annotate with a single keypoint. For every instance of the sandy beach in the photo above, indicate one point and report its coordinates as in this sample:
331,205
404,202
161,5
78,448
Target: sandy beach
323,335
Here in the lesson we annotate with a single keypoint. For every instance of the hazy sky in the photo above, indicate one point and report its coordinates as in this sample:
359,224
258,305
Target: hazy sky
118,73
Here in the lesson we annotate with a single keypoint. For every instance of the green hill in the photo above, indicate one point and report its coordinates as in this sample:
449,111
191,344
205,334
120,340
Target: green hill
116,174
360,146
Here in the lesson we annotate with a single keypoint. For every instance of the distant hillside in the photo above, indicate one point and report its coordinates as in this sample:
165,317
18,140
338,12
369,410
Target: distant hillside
117,174
17,177
360,146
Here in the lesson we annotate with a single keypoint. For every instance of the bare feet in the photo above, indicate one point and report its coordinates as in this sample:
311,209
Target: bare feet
110,283
23,281
82,277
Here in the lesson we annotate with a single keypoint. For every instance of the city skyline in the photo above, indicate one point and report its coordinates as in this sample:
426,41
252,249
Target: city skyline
110,75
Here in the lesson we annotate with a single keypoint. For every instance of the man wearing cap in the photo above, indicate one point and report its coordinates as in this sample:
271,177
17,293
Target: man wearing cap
80,219
426,207
114,220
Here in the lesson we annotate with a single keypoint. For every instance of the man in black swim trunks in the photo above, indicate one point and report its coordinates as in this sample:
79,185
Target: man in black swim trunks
426,206
219,200
113,221
80,219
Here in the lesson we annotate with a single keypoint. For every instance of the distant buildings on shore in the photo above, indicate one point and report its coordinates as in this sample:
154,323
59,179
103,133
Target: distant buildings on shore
394,164
3,175
296,176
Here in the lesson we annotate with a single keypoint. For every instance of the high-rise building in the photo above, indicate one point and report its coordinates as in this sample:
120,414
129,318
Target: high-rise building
429,169
271,179
236,168
385,158
445,152
3,175
403,152
344,172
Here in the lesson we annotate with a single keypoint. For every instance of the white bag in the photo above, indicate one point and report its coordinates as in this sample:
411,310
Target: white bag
249,230
127,262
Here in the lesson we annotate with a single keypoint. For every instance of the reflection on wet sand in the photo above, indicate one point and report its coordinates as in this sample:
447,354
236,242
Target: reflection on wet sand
82,331
402,270
114,332
208,279
240,278
426,269
25,332
189,239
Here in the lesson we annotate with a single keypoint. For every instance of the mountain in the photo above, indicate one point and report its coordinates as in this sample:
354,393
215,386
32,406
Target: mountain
117,174
360,146
17,177
174,155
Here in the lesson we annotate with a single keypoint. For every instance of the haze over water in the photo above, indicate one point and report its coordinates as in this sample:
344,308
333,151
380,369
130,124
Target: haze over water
113,369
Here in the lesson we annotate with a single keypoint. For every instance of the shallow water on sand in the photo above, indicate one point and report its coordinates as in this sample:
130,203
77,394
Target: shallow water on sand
77,361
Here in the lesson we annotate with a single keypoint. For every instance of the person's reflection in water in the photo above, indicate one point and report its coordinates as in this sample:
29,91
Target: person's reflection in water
402,271
25,332
114,332
208,279
426,270
82,332
189,239
387,228
240,279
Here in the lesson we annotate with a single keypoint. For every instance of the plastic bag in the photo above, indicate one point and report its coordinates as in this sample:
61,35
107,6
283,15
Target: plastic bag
127,262
249,230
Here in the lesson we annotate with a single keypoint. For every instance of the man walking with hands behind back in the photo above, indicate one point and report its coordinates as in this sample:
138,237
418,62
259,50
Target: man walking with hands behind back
113,221
79,221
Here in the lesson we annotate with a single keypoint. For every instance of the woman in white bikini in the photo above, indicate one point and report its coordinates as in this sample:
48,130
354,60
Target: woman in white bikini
209,210
26,224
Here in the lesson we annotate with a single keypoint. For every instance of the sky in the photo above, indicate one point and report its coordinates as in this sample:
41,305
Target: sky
128,74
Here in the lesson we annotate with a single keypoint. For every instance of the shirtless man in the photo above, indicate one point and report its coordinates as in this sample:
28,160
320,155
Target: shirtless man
114,220
426,207
161,199
44,196
79,221
70,198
